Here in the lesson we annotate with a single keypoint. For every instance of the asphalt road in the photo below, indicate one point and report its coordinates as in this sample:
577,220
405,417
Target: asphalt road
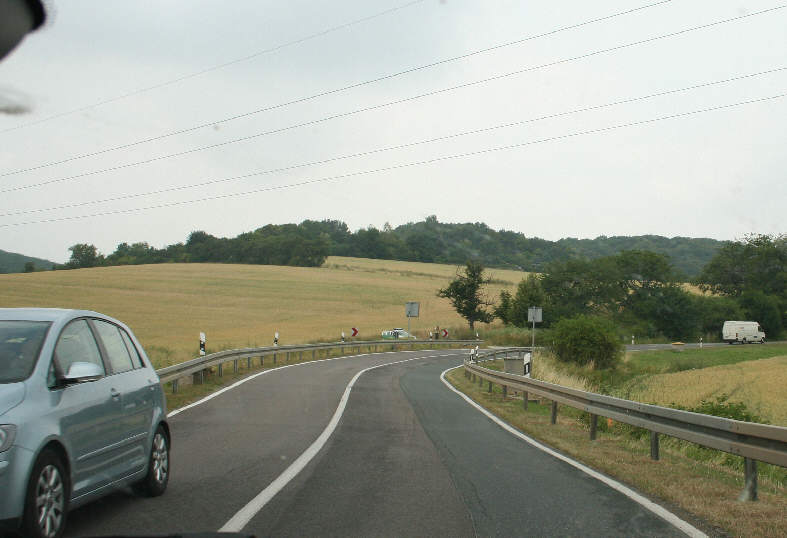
408,458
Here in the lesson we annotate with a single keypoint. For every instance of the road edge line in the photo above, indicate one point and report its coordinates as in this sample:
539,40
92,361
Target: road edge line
277,368
657,509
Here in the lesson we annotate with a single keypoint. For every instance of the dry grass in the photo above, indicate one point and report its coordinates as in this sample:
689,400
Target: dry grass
760,384
545,369
167,305
703,489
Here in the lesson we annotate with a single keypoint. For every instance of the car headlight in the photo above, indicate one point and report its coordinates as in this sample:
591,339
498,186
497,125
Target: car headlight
7,434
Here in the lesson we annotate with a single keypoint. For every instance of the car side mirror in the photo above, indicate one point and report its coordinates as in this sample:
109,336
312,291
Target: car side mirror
83,372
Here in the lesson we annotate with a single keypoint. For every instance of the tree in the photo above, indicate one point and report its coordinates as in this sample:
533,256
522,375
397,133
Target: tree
503,308
586,339
529,293
466,296
758,262
30,267
84,255
764,309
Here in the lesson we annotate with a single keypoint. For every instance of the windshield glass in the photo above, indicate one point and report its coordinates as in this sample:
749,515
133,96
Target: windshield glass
20,344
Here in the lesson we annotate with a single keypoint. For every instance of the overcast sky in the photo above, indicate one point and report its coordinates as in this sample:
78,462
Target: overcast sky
718,174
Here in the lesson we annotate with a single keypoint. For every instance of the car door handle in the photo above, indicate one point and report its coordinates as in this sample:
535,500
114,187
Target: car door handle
115,394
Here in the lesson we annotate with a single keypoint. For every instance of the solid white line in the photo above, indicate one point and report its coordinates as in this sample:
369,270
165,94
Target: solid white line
249,378
245,514
660,511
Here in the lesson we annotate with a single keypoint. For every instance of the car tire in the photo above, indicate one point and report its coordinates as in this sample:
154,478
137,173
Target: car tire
46,500
157,477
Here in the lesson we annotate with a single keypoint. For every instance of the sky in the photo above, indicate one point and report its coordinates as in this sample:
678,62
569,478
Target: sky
559,171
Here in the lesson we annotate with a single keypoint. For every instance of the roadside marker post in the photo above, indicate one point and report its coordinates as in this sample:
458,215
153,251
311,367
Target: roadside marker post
201,344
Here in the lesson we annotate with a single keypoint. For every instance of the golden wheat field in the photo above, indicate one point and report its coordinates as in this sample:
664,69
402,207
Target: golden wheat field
167,305
760,384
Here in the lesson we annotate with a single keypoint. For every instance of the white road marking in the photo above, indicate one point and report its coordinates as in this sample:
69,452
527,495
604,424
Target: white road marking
276,369
245,514
660,511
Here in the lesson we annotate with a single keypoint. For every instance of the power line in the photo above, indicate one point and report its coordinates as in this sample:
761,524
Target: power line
391,148
330,92
376,107
215,67
399,166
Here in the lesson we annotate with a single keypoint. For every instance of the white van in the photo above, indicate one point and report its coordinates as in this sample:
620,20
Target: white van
744,332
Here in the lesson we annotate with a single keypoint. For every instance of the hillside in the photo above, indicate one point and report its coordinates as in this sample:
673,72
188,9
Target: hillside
11,262
167,305
308,244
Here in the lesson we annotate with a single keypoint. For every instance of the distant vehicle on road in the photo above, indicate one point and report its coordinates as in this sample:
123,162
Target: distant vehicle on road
396,334
745,332
82,413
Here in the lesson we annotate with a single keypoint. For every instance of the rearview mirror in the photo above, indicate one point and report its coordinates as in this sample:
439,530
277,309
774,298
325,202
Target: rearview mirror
83,372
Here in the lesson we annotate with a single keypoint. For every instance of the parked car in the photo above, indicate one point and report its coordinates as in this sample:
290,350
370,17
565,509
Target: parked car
745,332
82,413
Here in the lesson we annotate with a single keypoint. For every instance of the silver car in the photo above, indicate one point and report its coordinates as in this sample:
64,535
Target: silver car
82,413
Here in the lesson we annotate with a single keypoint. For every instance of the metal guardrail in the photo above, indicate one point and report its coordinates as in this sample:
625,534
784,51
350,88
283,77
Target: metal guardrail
754,442
200,364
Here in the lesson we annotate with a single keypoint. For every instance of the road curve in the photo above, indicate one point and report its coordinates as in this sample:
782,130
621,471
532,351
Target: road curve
408,458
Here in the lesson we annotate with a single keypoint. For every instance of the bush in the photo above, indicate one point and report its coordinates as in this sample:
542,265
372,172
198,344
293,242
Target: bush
586,339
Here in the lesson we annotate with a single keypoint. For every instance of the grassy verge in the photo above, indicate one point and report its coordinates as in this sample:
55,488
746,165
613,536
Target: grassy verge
705,488
637,366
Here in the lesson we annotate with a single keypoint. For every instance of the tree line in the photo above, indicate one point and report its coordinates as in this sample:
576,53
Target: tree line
642,293
310,242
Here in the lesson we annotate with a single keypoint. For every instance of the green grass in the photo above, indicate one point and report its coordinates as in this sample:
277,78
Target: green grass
638,365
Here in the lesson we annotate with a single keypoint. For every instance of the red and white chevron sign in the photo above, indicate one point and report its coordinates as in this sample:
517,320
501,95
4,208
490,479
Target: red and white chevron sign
355,332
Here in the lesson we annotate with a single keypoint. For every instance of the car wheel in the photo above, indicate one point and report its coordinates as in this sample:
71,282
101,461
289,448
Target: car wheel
155,481
46,501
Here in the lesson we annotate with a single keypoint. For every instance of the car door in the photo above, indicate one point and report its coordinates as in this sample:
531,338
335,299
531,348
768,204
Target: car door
133,385
88,413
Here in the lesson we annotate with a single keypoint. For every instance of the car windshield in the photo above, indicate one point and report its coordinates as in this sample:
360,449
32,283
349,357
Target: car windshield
20,344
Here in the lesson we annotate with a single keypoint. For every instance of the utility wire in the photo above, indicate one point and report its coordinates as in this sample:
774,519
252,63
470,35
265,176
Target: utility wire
400,166
215,67
391,148
377,107
330,92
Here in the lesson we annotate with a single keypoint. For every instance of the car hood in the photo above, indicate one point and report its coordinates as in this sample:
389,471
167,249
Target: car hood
11,395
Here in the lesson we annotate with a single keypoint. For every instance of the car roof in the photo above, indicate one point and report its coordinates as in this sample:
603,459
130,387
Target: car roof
44,314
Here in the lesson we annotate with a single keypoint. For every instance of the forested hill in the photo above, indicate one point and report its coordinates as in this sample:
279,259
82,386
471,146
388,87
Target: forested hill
310,242
11,262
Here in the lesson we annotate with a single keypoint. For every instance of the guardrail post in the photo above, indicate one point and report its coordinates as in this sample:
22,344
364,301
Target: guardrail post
248,363
553,418
480,381
221,369
288,356
274,358
654,446
314,354
300,355
749,492
489,389
505,391
174,386
524,400
593,426
235,366
201,377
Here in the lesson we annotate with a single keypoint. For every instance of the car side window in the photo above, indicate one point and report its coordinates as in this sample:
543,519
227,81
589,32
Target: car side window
76,344
117,353
132,350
